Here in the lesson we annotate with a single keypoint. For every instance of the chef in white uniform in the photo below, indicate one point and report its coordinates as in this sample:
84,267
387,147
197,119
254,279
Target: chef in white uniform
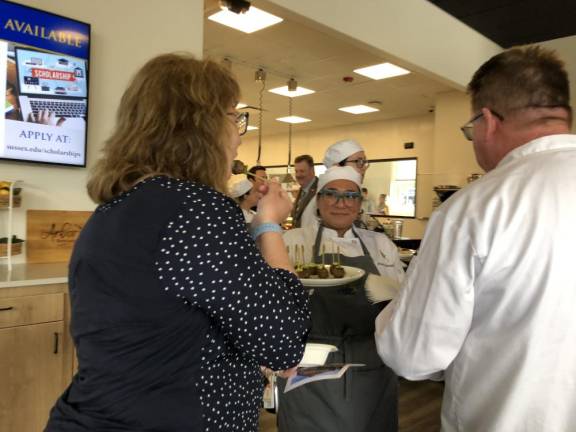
347,152
366,398
488,303
246,195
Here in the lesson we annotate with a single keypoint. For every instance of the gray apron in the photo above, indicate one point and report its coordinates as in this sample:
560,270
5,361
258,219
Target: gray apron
365,399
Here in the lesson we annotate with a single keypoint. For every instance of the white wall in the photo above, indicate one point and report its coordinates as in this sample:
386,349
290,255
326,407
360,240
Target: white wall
125,33
415,32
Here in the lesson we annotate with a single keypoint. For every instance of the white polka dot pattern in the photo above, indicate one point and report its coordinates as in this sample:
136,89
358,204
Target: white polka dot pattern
260,315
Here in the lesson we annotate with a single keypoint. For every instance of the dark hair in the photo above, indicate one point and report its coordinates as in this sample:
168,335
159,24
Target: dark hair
520,78
364,189
254,169
305,158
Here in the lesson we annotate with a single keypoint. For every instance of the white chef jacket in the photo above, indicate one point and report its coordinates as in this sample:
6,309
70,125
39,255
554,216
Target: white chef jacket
490,299
310,215
382,251
248,215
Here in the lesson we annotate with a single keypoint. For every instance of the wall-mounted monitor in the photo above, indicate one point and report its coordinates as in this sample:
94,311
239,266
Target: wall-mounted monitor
44,61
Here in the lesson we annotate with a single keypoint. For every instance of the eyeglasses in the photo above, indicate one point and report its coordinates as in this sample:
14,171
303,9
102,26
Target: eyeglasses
332,197
468,128
241,120
360,163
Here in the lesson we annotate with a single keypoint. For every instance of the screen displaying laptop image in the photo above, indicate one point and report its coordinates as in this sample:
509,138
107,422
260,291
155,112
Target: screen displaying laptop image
51,82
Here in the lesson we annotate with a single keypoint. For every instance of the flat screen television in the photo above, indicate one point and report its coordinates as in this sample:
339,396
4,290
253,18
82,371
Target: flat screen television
44,61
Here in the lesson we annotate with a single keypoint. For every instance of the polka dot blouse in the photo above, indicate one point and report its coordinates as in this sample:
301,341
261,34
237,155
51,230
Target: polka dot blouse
173,311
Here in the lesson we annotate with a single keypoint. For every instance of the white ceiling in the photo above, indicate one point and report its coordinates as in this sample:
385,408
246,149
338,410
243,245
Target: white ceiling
319,61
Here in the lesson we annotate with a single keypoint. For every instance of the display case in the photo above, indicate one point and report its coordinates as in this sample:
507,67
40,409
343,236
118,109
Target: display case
10,199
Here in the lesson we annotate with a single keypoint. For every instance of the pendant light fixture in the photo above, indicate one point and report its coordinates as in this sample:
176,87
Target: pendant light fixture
260,76
292,87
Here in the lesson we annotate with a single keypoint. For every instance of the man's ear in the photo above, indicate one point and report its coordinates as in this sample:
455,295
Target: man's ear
491,122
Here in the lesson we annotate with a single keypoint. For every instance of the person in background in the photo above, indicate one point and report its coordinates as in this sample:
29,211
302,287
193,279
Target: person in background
365,220
247,196
365,399
489,303
347,153
174,304
382,204
303,211
259,175
367,203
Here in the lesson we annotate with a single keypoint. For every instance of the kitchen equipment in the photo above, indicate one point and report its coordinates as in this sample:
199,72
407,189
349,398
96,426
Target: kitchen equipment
445,191
398,225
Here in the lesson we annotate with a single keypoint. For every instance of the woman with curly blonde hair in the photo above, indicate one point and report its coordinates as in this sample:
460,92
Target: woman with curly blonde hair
174,304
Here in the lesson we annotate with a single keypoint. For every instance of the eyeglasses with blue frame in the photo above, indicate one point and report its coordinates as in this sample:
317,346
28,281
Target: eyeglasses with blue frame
332,196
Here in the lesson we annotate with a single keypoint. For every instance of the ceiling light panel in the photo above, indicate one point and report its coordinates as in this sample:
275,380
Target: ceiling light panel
358,109
293,119
249,22
382,71
241,105
250,127
283,91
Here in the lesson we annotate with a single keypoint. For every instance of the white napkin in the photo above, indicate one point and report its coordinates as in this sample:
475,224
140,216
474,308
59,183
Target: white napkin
381,288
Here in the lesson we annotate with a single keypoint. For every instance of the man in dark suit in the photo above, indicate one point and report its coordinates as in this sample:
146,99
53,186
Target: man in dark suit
302,212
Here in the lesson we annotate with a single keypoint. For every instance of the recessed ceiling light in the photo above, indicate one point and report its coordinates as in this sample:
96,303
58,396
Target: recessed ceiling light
293,119
249,22
241,105
358,109
381,71
283,91
250,127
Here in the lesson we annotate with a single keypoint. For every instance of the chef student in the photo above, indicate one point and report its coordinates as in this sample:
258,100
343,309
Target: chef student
366,398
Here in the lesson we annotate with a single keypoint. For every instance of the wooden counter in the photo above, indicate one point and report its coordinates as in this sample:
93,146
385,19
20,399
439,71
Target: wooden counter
36,351
33,274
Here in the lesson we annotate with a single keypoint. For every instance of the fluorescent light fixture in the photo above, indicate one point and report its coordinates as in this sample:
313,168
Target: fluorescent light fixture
249,22
293,119
241,105
381,71
250,127
358,109
283,91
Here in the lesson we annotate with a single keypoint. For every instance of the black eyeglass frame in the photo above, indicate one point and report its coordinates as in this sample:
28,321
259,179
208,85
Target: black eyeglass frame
467,128
360,163
241,120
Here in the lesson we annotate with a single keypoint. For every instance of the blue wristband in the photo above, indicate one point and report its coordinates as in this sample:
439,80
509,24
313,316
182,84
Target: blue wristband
265,227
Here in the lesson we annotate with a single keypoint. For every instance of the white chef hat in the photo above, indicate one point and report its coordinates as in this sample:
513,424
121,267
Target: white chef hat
240,187
339,173
339,151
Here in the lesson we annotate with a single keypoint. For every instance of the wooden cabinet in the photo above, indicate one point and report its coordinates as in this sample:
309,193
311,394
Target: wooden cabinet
35,355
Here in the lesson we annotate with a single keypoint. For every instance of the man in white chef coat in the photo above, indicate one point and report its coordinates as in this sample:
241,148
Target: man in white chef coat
488,303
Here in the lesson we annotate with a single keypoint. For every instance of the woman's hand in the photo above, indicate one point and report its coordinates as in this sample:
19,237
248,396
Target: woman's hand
274,206
46,117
